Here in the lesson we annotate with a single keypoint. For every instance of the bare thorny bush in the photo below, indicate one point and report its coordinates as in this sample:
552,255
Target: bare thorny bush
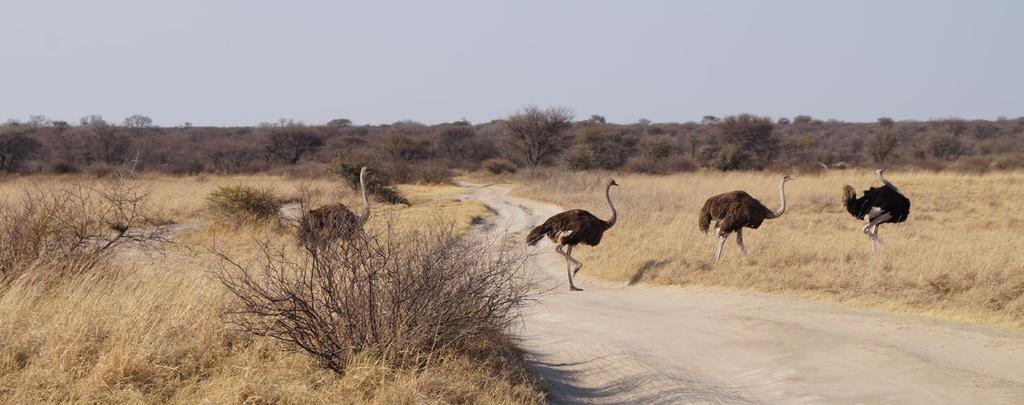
400,297
74,229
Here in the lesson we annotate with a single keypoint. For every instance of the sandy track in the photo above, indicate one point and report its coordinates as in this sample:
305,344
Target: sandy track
615,344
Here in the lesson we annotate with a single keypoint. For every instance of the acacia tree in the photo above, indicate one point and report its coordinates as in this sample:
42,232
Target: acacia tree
289,143
138,123
537,135
747,142
882,144
14,148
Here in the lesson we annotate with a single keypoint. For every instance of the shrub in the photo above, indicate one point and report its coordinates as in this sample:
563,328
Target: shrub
668,165
499,166
244,204
377,184
400,298
64,168
73,230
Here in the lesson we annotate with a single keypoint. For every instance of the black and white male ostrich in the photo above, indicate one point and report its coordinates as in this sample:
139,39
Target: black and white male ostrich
736,210
574,227
334,221
877,206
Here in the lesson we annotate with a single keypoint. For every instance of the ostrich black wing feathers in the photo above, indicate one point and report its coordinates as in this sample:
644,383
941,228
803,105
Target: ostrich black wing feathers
884,198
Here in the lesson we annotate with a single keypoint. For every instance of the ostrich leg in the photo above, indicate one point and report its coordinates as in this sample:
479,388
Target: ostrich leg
572,287
721,241
579,264
739,241
871,229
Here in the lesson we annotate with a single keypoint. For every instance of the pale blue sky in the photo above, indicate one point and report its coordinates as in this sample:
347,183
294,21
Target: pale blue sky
243,62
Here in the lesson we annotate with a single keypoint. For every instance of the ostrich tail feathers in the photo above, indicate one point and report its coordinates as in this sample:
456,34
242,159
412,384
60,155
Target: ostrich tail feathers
537,234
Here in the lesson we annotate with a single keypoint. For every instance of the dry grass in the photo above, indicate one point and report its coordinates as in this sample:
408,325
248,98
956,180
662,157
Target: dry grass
148,329
960,256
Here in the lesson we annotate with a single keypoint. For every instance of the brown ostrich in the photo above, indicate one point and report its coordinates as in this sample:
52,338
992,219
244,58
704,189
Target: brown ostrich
736,210
334,221
574,227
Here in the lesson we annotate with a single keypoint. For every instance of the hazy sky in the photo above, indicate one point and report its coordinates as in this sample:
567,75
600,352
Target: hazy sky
243,62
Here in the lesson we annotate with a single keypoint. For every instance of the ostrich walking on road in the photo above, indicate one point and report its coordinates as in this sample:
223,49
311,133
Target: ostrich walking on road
334,221
735,210
573,227
877,206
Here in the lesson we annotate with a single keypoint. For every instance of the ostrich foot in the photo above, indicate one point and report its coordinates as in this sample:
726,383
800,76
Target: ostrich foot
575,288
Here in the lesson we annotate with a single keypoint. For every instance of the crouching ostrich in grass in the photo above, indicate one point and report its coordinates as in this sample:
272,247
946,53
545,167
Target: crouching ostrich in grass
571,228
877,206
334,221
736,210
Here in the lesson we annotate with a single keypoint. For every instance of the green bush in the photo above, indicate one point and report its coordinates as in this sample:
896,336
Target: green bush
240,204
499,166
377,184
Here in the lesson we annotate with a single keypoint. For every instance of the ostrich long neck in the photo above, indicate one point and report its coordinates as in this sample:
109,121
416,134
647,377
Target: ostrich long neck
886,182
366,200
608,196
782,195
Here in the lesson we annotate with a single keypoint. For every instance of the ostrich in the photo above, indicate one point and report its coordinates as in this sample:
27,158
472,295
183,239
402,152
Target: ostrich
334,221
735,210
573,227
878,205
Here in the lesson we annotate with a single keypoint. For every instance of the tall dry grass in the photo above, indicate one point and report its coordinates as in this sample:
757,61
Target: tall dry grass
959,256
147,326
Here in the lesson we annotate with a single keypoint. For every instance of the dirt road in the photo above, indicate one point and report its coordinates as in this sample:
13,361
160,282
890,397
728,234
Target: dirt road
615,344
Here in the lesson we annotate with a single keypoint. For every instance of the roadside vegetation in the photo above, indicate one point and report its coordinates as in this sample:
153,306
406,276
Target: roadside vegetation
165,313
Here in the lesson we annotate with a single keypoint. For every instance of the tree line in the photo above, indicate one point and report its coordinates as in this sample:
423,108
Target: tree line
527,139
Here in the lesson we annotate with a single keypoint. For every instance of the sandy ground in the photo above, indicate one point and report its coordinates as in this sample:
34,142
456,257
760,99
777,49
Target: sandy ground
618,344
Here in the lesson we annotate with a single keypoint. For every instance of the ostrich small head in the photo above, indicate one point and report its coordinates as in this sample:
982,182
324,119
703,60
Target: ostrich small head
786,178
880,171
613,183
849,193
362,172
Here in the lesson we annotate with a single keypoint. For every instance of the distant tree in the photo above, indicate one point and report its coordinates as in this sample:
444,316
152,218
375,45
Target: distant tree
985,130
403,147
138,124
655,130
658,148
747,142
60,126
643,122
598,119
803,119
457,141
954,126
38,121
886,122
537,135
881,145
16,147
709,119
104,141
339,123
946,147
91,120
290,141
783,121
598,147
